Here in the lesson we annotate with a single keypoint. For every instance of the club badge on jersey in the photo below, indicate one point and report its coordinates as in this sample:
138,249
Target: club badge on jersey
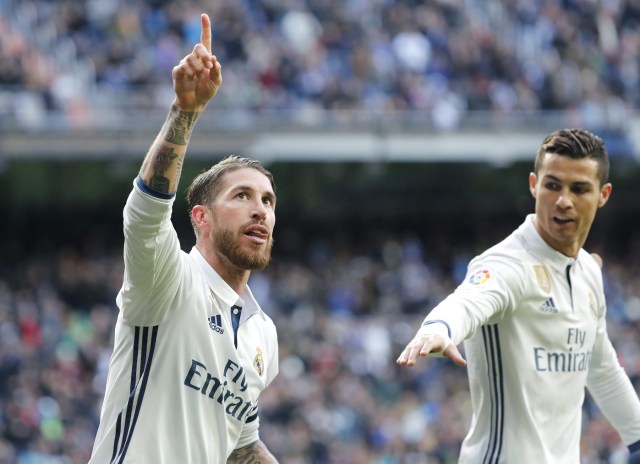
258,362
542,276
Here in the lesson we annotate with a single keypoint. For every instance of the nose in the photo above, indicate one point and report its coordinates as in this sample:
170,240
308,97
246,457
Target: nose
564,201
259,210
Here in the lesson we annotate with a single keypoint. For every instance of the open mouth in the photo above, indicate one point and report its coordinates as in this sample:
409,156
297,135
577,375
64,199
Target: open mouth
562,220
257,233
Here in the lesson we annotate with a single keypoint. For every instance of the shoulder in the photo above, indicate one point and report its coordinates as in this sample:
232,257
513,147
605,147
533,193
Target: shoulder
506,257
592,263
505,265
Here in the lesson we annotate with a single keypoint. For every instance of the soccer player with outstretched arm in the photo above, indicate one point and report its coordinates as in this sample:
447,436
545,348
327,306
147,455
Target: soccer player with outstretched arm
531,312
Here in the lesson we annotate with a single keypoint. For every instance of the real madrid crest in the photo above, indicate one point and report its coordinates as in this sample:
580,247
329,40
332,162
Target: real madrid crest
258,362
542,277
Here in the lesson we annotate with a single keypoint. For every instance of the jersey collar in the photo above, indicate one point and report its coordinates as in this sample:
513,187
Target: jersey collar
539,247
224,292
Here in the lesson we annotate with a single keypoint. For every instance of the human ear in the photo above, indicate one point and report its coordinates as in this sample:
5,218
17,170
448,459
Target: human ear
605,193
199,215
533,179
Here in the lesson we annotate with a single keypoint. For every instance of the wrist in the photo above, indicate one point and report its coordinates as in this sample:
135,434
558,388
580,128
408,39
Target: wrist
438,328
181,107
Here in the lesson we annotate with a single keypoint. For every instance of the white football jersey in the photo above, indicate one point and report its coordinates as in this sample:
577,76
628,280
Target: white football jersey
534,331
183,385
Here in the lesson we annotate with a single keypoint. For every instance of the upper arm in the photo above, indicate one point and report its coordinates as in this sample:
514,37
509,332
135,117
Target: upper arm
152,257
491,287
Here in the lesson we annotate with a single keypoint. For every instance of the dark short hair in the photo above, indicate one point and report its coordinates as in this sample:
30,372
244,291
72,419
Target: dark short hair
207,185
575,144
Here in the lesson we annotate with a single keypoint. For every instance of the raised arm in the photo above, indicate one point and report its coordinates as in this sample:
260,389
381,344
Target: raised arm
255,453
196,80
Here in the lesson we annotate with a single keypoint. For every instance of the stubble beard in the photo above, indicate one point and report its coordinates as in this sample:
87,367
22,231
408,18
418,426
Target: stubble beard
254,260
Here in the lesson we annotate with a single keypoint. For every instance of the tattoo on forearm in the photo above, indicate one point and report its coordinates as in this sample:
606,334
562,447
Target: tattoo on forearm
161,164
179,131
244,456
179,164
255,453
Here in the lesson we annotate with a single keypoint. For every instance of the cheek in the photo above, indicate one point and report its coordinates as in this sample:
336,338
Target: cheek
544,199
590,208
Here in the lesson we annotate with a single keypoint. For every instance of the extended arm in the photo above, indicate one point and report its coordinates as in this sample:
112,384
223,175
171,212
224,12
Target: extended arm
255,453
196,80
491,286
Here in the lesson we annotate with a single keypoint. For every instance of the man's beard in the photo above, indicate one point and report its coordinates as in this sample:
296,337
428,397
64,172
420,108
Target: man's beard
253,260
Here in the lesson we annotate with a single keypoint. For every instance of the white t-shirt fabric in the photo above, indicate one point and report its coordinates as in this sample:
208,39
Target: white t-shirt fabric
178,389
534,331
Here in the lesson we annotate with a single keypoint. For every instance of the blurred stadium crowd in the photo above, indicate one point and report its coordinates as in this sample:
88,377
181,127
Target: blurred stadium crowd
447,57
339,398
344,312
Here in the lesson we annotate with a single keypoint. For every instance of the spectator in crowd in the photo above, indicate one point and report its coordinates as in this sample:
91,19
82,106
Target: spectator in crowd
442,58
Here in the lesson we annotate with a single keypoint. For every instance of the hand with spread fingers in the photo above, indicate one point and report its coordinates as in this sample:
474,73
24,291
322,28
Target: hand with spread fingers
197,78
531,315
424,344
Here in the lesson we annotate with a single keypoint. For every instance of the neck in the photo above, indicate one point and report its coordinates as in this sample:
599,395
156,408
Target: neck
570,248
235,277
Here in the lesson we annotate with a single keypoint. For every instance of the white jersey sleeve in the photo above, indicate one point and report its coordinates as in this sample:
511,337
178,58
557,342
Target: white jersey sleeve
610,386
493,285
153,266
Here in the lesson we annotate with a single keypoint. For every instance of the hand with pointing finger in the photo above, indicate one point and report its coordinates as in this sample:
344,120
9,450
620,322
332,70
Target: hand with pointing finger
197,78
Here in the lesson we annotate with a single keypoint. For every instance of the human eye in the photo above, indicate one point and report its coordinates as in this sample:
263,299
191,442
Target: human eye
267,200
580,189
553,185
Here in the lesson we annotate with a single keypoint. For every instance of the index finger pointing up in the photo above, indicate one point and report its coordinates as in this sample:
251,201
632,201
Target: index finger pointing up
205,34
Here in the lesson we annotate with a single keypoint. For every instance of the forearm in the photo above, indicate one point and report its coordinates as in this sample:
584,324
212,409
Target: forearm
613,391
162,165
255,453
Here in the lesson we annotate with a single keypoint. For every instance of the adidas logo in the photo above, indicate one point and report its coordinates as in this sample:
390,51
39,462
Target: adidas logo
548,307
215,322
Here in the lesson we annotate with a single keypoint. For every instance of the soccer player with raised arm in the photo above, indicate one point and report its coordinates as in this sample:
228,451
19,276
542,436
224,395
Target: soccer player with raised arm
531,312
193,349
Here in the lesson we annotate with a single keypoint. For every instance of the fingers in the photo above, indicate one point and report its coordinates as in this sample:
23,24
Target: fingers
205,33
215,73
423,346
408,356
200,59
452,353
195,63
417,347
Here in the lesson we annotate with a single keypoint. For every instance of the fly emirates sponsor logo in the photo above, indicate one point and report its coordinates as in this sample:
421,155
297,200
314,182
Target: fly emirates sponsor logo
574,359
207,384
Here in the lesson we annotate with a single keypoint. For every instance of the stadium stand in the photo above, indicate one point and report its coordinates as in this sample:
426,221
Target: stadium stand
352,300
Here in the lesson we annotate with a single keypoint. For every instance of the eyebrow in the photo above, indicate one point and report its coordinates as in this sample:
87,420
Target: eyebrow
554,178
268,194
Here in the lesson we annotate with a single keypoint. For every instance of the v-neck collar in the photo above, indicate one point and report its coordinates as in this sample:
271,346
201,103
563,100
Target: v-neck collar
224,292
536,244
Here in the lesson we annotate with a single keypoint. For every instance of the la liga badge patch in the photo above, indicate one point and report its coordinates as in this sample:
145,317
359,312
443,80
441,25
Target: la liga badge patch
480,277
